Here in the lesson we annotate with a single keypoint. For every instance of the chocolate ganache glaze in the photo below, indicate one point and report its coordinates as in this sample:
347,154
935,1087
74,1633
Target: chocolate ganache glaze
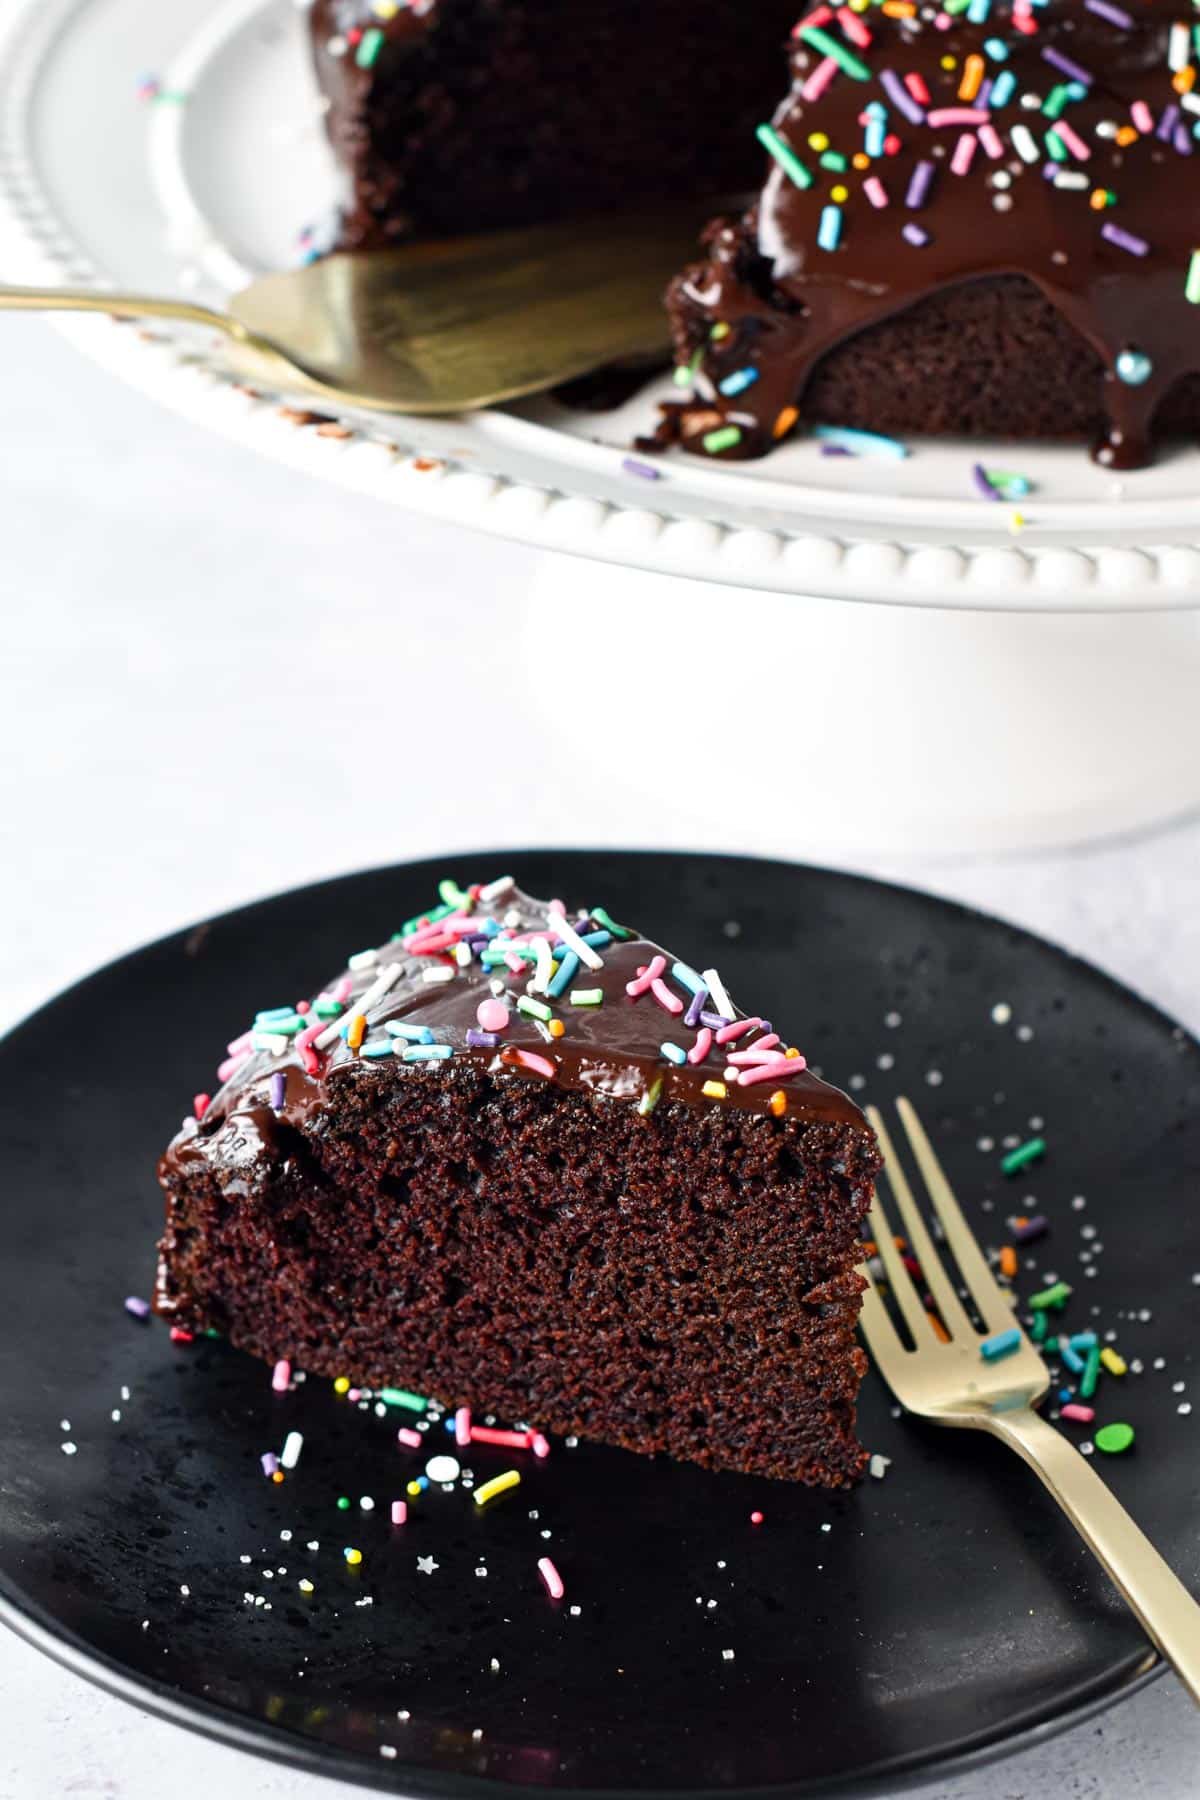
419,1001
921,148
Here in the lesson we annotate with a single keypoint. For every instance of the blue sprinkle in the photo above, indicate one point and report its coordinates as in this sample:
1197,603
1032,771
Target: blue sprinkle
381,1047
829,231
673,1053
1084,1340
687,977
873,137
567,971
870,443
1002,1344
996,48
1002,89
274,1012
1073,1361
739,381
428,1052
413,1034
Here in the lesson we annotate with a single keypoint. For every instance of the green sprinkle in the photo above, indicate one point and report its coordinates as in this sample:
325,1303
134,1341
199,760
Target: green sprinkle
784,155
402,1397
429,917
833,159
369,46
602,918
536,1009
1055,147
1091,1373
1112,1439
587,996
1055,104
649,1099
1022,1156
450,894
343,1503
1191,289
724,439
685,374
1056,1296
833,47
328,1009
1037,1330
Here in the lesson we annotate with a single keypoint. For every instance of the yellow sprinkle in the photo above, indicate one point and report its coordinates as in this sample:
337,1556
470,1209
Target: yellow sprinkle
972,78
778,1103
786,420
792,1054
839,193
356,1031
414,1488
1115,1364
385,9
1016,522
556,1028
305,1586
817,140
499,1484
949,62
353,1557
713,1090
720,331
342,1385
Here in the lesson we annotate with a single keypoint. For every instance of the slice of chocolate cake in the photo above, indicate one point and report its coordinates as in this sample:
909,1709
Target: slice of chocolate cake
978,220
453,116
525,1161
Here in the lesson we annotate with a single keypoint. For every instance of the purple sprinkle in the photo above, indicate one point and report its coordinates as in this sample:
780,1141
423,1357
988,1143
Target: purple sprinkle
646,471
836,450
139,1308
919,186
1124,240
695,1008
916,234
482,1040
979,477
1071,69
1113,14
1168,122
900,97
1182,140
984,96
270,1462
278,1088
713,1020
1032,1228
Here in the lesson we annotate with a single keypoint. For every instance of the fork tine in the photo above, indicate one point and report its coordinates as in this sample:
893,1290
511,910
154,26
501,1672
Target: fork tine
954,1315
882,1337
994,1307
899,1279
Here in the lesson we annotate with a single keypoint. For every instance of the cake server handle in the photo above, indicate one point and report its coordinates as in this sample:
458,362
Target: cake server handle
1167,1611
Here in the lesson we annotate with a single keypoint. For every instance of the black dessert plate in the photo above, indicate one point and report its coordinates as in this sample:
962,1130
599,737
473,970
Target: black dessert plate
924,1620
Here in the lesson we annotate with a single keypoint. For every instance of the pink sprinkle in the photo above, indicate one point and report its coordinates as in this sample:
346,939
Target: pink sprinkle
512,1440
399,1512
514,962
309,1060
666,999
307,1037
539,1445
239,1044
1142,117
769,1042
281,1375
964,154
777,1070
303,1007
201,1104
989,137
647,974
853,28
231,1063
541,1065
737,1028
756,1518
916,87
353,1395
551,1577
759,1054
1083,1415
955,115
820,79
462,1426
875,191
412,1439
702,1045
342,989
493,1015
1071,139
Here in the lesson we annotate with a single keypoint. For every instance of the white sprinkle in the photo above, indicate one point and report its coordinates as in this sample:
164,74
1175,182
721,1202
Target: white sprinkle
293,1444
934,1077
886,1061
436,975
1024,1033
1184,1407
244,1559
115,1415
891,1020
69,1449
880,1465
64,1424
718,995
285,1537
728,1655
573,941
125,1390
404,1717
494,1665
313,1544
366,1504
185,1590
477,1734
363,959
443,1468
495,889
388,1750
574,1611
426,1565
827,1528
387,978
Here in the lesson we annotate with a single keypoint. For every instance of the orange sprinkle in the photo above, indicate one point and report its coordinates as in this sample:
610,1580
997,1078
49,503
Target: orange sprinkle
786,420
1184,80
861,160
1098,199
972,78
356,1031
556,1028
1008,1262
1126,136
899,9
939,1330
277,1477
778,1103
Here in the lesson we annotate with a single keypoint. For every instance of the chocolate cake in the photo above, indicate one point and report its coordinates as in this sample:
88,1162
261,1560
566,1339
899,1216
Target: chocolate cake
978,219
453,116
528,1162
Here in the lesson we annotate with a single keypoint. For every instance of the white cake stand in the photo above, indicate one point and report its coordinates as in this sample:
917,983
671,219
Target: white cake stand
1001,683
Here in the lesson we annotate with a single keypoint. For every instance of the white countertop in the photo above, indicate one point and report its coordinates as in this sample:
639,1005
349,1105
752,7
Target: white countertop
192,714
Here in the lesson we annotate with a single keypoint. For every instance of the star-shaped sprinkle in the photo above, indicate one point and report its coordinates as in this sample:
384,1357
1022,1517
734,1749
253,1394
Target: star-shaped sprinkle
426,1565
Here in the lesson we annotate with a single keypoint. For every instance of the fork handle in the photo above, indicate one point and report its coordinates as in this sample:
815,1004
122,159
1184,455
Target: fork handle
118,304
1167,1612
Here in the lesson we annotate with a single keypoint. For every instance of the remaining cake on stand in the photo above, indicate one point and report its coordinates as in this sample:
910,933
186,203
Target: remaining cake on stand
525,1161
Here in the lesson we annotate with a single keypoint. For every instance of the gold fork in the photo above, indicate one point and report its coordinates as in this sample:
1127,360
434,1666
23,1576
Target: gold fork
953,1383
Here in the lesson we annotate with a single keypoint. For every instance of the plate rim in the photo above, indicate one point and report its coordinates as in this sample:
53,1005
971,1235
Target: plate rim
388,455
1030,1728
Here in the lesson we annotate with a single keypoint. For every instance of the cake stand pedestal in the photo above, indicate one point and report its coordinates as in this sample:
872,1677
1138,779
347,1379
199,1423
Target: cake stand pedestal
802,727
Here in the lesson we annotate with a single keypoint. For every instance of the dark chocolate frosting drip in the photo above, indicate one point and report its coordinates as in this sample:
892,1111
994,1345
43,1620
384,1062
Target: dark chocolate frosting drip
418,1000
1049,141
